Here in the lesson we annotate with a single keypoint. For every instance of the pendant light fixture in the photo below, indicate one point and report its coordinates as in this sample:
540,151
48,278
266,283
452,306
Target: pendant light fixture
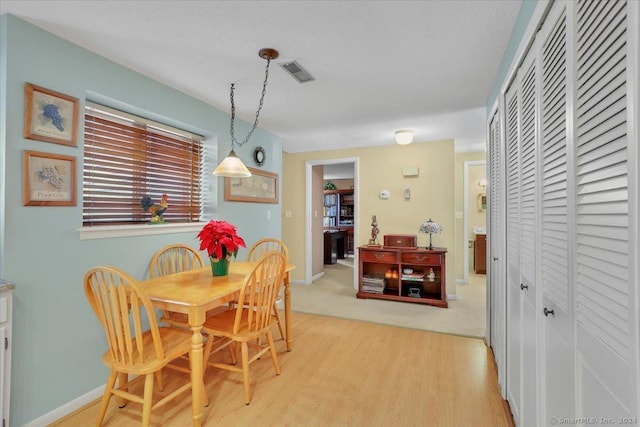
232,166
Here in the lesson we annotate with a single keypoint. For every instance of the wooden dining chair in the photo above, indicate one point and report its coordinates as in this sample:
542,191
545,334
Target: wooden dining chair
122,307
174,258
252,319
257,251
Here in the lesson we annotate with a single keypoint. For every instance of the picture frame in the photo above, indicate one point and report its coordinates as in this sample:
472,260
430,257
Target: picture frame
260,187
48,179
50,116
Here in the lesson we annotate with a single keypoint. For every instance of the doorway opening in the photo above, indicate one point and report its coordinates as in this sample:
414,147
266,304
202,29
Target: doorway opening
345,168
474,215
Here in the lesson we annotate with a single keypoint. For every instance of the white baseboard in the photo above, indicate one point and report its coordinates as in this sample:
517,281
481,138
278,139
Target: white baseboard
67,408
317,276
462,282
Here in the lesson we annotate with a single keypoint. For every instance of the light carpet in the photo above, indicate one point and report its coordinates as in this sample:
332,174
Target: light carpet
334,295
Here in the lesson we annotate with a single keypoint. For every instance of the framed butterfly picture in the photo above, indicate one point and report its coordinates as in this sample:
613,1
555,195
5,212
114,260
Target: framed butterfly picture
50,116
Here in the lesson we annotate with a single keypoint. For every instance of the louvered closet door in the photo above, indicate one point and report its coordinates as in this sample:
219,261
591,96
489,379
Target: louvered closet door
557,384
514,307
495,271
522,135
606,296
528,236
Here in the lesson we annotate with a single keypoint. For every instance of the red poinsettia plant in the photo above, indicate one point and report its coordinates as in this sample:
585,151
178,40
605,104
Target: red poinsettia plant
220,239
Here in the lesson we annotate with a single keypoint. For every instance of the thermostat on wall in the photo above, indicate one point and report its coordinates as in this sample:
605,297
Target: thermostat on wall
384,194
410,171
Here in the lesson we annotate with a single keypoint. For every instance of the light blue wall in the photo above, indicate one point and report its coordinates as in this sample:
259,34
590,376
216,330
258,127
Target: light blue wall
57,342
524,16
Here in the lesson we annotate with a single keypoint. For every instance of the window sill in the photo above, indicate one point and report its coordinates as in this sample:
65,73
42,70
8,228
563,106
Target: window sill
113,231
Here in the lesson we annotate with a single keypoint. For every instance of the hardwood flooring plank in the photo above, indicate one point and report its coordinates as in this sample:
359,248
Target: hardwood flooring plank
343,372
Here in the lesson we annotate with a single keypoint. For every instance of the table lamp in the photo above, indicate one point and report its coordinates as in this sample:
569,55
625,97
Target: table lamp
431,228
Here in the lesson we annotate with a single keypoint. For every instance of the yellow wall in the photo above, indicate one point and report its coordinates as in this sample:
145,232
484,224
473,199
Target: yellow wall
380,168
461,245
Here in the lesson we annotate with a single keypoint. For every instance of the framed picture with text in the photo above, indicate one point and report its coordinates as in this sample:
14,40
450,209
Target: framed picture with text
50,116
48,179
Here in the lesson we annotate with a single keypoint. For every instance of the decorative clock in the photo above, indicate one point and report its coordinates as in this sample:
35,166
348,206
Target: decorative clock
259,156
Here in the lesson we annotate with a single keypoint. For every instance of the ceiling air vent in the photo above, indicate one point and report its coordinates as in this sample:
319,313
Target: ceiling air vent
297,72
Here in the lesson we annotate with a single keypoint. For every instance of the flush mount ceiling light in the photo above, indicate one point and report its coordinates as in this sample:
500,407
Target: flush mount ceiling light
232,166
404,137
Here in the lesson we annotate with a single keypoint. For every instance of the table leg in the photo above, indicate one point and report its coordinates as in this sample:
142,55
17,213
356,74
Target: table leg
196,362
287,309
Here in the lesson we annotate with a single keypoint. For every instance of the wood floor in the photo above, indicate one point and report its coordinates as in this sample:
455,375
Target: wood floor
343,372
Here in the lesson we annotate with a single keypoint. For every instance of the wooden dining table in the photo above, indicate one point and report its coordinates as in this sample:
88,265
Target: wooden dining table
194,293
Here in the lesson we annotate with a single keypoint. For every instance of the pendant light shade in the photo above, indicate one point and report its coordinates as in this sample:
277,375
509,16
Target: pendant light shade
232,167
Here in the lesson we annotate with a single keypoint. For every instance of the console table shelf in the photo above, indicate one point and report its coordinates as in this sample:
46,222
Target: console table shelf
403,274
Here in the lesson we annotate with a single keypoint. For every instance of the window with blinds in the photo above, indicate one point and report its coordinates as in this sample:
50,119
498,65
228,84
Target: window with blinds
127,157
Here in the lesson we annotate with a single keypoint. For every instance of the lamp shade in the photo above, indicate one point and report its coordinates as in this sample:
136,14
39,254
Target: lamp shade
404,137
232,167
431,228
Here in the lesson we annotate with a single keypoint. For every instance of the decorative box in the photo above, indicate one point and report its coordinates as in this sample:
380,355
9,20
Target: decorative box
400,240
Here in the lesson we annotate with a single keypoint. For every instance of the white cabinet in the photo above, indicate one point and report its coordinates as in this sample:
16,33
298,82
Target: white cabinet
6,305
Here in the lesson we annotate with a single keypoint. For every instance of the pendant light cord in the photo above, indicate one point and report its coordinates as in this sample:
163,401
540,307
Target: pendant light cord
233,110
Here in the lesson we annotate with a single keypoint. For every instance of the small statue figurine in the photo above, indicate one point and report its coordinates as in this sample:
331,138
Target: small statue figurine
373,241
156,210
431,276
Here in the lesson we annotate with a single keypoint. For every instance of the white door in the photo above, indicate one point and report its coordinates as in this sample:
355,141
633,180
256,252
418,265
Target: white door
528,119
496,323
3,337
514,314
606,287
522,206
557,386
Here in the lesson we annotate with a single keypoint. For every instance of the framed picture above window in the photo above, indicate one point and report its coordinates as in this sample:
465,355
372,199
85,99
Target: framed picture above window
50,116
48,179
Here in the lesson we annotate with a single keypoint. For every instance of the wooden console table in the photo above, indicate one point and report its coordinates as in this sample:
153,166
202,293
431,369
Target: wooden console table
403,274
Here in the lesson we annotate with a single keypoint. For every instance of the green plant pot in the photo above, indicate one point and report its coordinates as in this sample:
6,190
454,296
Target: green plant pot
220,267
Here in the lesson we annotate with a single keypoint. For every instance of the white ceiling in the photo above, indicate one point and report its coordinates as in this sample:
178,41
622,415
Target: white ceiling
379,65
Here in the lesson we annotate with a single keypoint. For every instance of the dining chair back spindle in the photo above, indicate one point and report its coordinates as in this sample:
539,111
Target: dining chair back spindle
122,309
257,251
264,246
252,319
174,258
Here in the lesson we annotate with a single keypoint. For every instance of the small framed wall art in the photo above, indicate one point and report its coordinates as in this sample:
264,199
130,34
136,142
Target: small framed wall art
48,179
260,187
50,116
